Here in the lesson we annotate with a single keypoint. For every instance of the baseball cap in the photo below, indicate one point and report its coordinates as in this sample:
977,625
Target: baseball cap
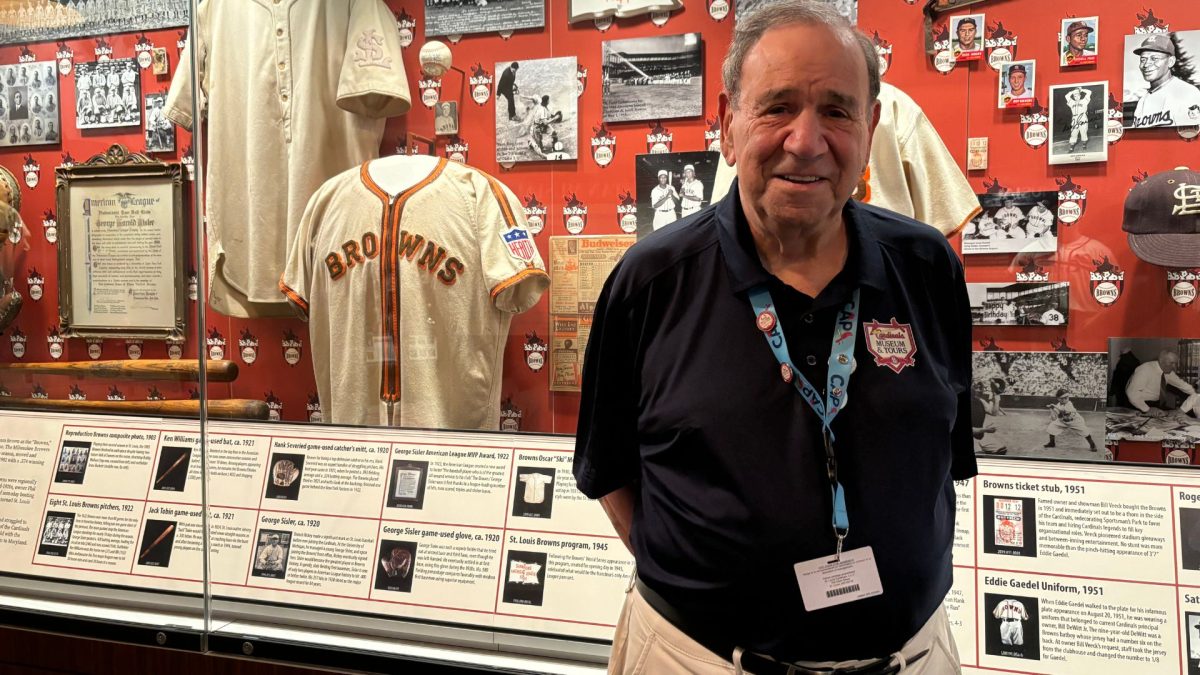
1060,393
1079,25
1019,68
1157,43
968,19
1162,218
688,166
662,172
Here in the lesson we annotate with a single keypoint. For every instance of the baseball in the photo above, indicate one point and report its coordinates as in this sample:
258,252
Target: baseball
435,58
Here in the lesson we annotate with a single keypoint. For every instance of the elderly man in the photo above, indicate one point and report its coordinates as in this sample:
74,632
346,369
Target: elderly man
776,393
1148,389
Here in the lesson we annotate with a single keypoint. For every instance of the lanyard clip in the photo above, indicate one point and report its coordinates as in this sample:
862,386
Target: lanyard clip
841,538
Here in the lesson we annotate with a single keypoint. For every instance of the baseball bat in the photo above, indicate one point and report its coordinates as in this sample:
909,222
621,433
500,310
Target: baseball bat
170,528
173,467
232,409
130,369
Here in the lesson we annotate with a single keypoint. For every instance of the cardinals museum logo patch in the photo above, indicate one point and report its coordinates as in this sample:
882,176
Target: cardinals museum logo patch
892,344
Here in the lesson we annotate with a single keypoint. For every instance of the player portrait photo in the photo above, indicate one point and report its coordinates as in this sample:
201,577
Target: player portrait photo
1039,404
1152,390
463,17
966,37
1078,118
1162,80
108,94
1034,303
445,118
1077,41
160,131
673,185
653,78
1011,626
271,554
1018,82
1013,222
537,110
29,104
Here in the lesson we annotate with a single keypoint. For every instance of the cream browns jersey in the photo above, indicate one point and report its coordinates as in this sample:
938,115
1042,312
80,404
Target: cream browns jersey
295,92
409,296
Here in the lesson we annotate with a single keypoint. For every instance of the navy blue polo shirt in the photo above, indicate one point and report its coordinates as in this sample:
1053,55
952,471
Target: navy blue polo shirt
682,398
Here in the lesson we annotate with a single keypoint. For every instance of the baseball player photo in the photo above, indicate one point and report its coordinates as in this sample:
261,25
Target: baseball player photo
1077,41
1152,391
29,112
538,117
1012,626
1017,84
271,554
673,185
1078,116
1013,222
966,37
116,94
1162,81
1064,417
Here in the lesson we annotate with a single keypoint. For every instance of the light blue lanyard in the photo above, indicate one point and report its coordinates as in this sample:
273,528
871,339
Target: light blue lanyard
841,360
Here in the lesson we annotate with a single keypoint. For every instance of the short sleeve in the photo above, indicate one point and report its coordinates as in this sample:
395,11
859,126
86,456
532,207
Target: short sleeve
607,450
296,281
962,443
513,269
182,107
372,82
941,195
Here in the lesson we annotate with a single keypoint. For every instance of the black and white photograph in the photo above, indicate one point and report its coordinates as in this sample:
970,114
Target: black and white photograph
1078,118
966,37
287,471
172,472
592,10
160,131
847,8
1017,84
673,185
108,94
49,21
1162,80
1189,538
1152,390
56,534
445,118
1010,526
157,541
1037,303
394,566
1077,40
1046,405
1191,621
1011,626
406,484
464,17
72,462
537,110
1013,222
30,107
534,492
653,78
271,554
524,578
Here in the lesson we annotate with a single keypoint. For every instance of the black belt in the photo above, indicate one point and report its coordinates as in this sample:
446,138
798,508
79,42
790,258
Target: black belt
751,661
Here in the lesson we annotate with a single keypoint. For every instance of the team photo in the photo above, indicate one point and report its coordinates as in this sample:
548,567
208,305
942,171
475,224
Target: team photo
108,94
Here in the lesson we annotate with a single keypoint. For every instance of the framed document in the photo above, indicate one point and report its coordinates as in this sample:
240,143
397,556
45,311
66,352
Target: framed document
121,247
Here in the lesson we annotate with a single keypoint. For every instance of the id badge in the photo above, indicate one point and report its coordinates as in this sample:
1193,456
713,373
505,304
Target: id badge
825,582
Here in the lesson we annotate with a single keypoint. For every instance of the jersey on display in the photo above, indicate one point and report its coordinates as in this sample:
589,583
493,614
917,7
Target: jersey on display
409,293
304,90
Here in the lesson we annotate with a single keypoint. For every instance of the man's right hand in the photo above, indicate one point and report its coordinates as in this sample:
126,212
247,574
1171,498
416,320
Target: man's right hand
1155,412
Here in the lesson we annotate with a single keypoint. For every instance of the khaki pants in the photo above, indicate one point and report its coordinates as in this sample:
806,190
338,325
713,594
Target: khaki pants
646,643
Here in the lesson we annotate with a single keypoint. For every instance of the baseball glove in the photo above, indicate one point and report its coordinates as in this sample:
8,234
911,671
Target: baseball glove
10,305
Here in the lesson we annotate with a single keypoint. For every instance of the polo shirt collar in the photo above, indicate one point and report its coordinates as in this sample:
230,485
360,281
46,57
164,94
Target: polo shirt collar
746,270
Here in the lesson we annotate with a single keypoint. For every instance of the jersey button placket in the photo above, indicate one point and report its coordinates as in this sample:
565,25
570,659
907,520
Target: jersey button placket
283,77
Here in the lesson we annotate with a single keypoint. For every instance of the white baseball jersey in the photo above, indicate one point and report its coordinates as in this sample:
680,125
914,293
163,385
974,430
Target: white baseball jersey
693,188
1176,103
409,296
295,91
1039,221
1009,216
1052,317
587,10
911,172
664,214
535,487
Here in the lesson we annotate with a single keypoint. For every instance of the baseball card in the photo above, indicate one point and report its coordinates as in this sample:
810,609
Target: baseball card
1077,41
966,37
1018,84
1078,120
1162,80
